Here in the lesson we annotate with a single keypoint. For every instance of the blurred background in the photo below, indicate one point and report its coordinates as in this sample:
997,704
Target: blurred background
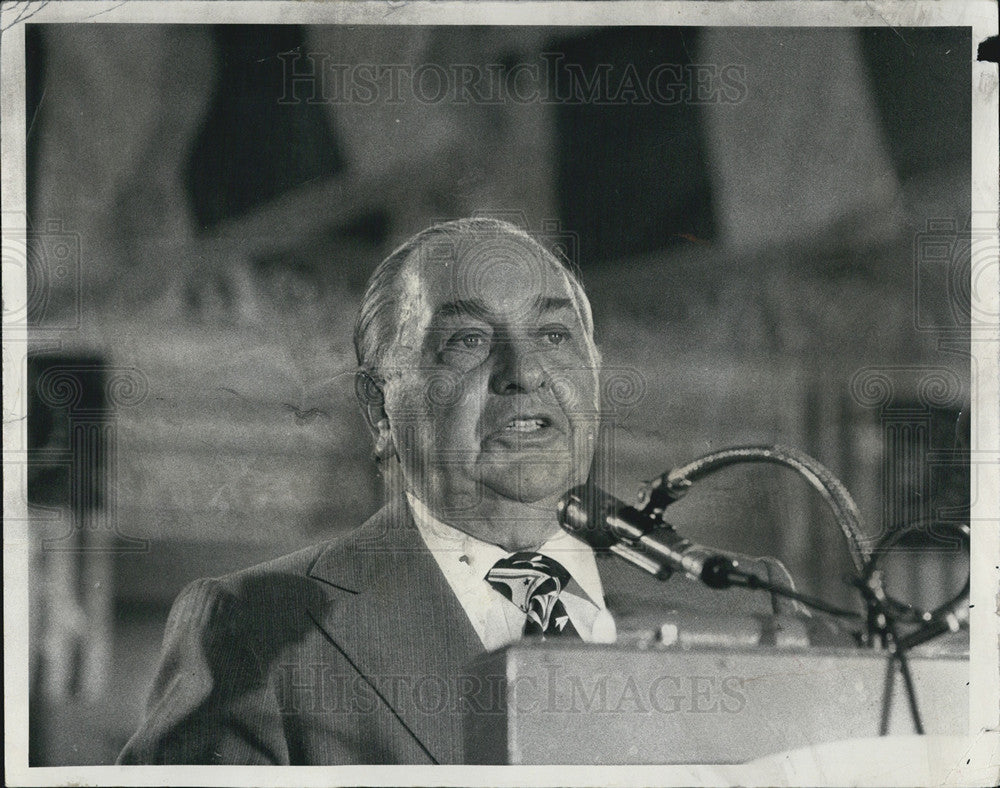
772,225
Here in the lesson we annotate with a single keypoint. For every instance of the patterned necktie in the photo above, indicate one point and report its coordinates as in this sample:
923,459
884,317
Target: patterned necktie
533,582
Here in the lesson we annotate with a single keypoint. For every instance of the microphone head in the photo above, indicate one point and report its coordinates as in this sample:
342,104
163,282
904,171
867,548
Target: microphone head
583,512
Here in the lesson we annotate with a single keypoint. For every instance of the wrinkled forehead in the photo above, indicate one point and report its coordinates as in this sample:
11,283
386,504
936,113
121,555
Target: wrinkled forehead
507,275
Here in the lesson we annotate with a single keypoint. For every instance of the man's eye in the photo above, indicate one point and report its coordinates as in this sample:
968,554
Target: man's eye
467,340
556,336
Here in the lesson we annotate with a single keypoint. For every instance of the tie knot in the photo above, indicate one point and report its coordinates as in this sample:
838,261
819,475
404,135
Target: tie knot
533,582
528,564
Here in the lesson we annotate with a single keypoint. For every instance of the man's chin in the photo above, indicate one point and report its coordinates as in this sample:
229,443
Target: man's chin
526,488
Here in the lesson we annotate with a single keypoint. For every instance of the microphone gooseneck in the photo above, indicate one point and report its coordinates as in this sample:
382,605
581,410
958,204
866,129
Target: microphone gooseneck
646,541
641,536
675,483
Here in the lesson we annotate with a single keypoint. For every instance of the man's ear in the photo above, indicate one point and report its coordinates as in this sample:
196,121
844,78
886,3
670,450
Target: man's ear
371,399
385,449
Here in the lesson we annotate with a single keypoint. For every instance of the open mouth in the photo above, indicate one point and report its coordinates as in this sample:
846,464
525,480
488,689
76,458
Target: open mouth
527,425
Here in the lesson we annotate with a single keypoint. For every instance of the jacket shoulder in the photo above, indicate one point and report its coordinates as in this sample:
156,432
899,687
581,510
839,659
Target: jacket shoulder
282,574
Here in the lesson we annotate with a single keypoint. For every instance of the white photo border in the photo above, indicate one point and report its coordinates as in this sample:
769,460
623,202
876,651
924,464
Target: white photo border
978,762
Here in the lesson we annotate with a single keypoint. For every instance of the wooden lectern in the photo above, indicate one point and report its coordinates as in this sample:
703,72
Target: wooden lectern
651,704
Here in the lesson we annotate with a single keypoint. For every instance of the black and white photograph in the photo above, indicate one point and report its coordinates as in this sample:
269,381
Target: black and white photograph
558,393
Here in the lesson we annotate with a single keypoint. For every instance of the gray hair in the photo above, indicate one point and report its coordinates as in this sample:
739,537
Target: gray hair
378,316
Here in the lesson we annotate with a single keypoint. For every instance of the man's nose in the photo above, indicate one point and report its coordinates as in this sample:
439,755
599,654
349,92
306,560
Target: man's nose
518,369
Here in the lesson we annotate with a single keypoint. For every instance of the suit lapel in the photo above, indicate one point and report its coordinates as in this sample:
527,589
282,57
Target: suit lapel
393,615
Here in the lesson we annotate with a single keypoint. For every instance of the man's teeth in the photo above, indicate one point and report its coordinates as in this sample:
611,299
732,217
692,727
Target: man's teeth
524,425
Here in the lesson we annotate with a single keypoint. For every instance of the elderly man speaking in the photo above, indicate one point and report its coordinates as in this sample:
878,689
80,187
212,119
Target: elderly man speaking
478,376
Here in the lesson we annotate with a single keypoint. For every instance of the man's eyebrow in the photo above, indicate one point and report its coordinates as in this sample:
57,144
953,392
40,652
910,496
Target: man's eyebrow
550,304
463,307
473,307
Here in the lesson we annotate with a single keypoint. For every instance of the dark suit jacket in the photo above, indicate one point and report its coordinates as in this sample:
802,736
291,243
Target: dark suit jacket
352,651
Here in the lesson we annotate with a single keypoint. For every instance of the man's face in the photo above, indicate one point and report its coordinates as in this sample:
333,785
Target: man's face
492,384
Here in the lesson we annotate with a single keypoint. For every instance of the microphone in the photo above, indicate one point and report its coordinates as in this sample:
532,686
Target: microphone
643,538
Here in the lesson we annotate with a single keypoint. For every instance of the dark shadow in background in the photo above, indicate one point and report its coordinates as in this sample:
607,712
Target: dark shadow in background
920,79
252,146
611,191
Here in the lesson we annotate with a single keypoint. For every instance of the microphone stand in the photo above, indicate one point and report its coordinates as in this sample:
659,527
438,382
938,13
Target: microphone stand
882,611
885,623
885,613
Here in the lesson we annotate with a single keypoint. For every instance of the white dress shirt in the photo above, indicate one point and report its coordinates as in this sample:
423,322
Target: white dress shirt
465,560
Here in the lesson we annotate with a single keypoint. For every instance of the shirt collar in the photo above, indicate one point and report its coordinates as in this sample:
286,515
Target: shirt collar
456,548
